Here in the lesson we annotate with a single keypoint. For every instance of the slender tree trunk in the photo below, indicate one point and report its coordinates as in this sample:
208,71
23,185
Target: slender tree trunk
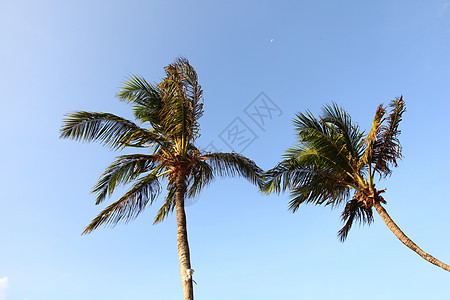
182,239
405,240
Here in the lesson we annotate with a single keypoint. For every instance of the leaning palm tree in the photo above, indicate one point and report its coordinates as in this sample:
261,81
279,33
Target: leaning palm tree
335,163
170,110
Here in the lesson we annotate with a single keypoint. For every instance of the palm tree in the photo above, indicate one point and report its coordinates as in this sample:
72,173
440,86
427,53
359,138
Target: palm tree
171,110
335,163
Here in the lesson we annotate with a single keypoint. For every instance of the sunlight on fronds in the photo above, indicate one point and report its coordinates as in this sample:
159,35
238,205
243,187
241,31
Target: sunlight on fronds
168,206
234,164
333,157
389,148
130,205
169,112
106,128
354,211
123,170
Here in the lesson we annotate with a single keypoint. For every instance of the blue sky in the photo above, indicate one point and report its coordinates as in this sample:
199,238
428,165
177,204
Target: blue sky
61,56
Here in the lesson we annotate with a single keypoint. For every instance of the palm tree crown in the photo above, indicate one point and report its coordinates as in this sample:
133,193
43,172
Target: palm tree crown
335,163
170,110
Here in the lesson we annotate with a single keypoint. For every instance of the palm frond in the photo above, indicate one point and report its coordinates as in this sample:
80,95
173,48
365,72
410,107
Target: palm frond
350,132
388,148
123,170
200,176
145,97
354,211
332,158
279,178
326,140
182,103
373,136
234,164
109,129
130,205
168,206
182,72
317,186
304,171
146,138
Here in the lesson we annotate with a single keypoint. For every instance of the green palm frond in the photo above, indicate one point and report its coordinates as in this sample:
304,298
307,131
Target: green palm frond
234,164
168,206
182,107
326,140
192,89
372,137
321,168
174,120
109,129
123,170
146,99
317,186
352,135
354,211
171,110
290,171
130,205
332,158
388,148
138,91
146,138
302,166
200,176
279,179
376,125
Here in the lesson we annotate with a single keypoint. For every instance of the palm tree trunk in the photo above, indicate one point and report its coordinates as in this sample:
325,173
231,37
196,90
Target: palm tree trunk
405,240
182,239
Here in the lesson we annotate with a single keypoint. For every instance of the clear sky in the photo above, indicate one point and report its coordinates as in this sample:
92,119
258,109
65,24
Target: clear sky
57,57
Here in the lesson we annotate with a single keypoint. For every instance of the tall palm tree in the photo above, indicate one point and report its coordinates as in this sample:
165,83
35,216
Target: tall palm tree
171,111
335,163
